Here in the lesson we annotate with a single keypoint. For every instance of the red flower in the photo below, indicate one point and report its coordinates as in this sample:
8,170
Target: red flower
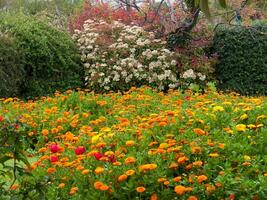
98,155
54,148
54,158
231,197
2,118
112,158
79,150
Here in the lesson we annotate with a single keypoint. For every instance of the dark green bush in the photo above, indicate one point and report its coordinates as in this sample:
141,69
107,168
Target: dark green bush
51,59
11,69
242,65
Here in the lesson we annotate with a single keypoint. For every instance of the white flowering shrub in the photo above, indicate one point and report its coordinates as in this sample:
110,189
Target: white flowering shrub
117,57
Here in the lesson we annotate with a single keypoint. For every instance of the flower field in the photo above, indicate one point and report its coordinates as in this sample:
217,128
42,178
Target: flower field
142,144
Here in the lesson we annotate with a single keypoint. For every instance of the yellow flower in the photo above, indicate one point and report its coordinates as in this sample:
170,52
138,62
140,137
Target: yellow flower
213,155
129,143
241,127
246,157
99,170
130,172
244,116
218,108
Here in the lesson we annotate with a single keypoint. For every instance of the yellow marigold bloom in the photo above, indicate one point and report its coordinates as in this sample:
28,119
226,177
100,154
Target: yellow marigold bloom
140,189
241,127
122,177
213,155
201,178
244,116
218,108
199,131
246,157
129,160
45,132
177,179
130,172
61,185
163,145
85,171
251,126
129,143
99,170
192,198
180,190
51,170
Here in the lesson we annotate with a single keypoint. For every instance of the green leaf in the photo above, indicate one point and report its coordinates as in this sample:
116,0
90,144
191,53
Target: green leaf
204,6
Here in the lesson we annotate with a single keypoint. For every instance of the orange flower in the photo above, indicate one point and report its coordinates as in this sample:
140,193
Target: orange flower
180,190
173,165
199,131
42,150
161,180
85,171
99,170
147,167
265,174
51,170
197,163
192,198
73,190
14,187
104,188
61,185
129,160
221,145
122,177
154,197
201,178
177,179
45,132
130,172
140,189
129,143
182,159
98,184
196,149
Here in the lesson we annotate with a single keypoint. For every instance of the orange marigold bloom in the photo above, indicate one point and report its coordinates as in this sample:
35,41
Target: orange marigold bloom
140,189
180,190
86,171
192,198
161,180
61,185
130,172
73,190
122,177
201,178
182,159
99,170
129,160
129,143
265,174
104,188
14,187
51,170
173,165
147,167
196,149
45,132
197,163
98,184
199,131
154,197
177,179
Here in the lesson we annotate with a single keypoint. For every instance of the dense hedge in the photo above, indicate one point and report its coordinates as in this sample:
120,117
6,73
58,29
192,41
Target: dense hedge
50,57
242,65
11,69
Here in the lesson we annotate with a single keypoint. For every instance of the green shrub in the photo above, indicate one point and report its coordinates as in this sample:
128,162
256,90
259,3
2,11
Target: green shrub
51,59
11,69
242,65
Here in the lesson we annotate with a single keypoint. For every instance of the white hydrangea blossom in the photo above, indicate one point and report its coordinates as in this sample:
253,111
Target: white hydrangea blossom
124,57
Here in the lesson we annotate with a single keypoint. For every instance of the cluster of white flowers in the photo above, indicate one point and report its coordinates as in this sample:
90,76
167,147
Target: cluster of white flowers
117,57
192,75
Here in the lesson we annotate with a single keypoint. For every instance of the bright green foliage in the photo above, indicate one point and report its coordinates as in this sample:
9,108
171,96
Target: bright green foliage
11,70
50,58
242,63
